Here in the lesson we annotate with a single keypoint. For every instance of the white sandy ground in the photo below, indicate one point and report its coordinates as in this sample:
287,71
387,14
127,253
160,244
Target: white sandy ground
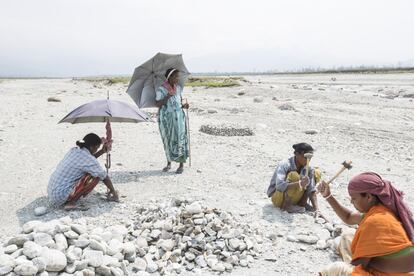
355,116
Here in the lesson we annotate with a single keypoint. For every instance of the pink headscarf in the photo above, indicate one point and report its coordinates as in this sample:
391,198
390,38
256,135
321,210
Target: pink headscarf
390,197
171,89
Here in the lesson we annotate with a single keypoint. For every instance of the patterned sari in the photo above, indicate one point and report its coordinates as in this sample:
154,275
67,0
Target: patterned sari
172,125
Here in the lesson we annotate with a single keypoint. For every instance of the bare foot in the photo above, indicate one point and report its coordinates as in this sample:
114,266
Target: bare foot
167,168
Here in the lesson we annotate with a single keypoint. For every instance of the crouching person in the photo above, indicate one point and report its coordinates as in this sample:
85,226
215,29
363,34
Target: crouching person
290,187
78,174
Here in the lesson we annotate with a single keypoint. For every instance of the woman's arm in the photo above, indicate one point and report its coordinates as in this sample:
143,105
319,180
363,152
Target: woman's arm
344,213
163,101
112,195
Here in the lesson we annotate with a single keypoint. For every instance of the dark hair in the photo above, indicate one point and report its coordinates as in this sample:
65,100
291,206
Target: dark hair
89,141
302,148
169,71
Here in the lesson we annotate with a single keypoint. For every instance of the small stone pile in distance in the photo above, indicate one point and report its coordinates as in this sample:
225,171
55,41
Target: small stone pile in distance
163,239
226,130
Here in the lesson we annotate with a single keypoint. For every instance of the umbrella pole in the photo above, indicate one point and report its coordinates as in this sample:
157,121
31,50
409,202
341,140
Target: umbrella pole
188,134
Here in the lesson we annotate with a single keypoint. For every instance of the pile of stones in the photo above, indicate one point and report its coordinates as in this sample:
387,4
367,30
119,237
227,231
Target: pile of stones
226,130
163,239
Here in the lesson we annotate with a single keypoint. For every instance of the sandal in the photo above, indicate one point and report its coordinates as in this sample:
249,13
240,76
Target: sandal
180,170
167,168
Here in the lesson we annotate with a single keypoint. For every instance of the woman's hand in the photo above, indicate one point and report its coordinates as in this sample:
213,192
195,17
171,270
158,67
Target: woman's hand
186,106
112,196
304,182
324,189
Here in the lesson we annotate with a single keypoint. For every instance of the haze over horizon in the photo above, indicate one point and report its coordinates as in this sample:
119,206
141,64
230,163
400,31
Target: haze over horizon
106,37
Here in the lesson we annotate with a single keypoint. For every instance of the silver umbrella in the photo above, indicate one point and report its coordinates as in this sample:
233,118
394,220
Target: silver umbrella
151,74
106,111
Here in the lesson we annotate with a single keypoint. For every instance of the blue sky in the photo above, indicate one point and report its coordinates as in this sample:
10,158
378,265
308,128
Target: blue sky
101,37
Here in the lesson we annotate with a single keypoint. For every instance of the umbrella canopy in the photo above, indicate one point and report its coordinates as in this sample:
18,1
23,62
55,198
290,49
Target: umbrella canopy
150,75
104,111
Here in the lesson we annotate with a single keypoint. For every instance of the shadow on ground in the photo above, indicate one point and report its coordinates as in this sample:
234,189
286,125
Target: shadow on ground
272,214
121,177
95,202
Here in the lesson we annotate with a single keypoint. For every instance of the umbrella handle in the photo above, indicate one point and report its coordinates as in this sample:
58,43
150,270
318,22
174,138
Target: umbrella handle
108,161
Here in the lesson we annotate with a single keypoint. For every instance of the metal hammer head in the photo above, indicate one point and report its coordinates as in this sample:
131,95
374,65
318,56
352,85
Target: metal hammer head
308,155
347,164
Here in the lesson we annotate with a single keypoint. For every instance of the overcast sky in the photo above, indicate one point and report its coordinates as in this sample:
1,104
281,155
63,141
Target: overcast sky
101,37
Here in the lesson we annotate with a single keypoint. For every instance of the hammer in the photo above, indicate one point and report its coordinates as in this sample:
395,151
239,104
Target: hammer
308,157
345,166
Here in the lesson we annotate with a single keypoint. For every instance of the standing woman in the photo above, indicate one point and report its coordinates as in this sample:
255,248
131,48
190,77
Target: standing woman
172,120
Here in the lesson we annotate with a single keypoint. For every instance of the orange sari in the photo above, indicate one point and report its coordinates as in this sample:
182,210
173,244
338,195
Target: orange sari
380,233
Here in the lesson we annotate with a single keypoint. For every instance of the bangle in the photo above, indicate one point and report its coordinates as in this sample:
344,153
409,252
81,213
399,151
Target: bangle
326,197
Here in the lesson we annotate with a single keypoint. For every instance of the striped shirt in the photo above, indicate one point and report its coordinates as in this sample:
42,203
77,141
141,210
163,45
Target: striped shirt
76,163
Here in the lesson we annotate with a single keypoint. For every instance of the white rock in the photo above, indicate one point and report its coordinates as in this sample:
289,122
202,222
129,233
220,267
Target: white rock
110,261
40,264
30,225
18,240
55,260
88,272
151,266
7,263
167,245
200,261
43,239
118,232
190,256
194,208
10,249
78,228
140,264
258,99
95,245
219,267
308,239
142,273
40,211
61,242
141,242
323,234
321,244
94,257
155,234
73,254
32,249
26,269
81,242
104,271
128,248
243,263
71,234
80,265
114,247
116,271
234,243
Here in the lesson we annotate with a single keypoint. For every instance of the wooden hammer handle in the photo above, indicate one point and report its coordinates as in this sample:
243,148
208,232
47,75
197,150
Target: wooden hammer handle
336,175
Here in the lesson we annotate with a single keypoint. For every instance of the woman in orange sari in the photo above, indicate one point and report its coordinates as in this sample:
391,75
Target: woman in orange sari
383,242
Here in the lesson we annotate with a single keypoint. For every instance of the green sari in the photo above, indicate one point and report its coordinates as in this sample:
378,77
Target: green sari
172,125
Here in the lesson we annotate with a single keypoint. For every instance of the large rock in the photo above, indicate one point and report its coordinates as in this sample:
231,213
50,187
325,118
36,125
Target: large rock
55,260
29,226
73,254
7,263
114,247
194,208
26,269
18,240
61,242
94,257
40,211
40,264
10,249
43,239
95,245
32,249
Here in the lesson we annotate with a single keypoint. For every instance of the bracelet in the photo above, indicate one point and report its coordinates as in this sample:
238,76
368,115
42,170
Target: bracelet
326,197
